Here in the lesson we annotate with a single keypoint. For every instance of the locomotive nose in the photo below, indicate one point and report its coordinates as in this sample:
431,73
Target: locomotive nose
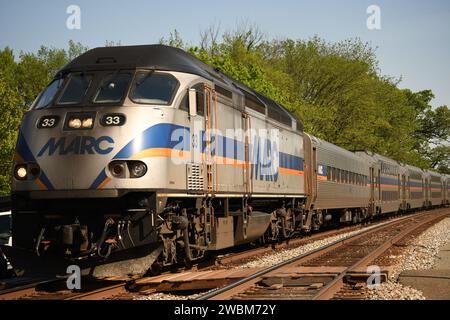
74,161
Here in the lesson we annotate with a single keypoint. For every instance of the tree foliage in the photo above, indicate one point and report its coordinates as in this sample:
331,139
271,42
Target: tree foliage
21,81
336,89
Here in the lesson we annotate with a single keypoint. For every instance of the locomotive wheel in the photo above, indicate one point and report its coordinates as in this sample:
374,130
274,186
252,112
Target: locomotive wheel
187,263
155,269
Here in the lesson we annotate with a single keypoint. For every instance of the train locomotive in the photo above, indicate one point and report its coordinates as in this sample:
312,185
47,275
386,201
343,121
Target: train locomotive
135,158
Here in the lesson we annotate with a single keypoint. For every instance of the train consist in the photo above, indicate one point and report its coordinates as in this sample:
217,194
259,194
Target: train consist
146,153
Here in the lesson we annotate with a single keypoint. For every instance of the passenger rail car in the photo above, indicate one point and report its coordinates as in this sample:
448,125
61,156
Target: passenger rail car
415,189
146,153
447,189
342,190
434,188
386,189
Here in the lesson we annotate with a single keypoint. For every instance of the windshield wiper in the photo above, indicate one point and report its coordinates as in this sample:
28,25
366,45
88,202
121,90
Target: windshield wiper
148,75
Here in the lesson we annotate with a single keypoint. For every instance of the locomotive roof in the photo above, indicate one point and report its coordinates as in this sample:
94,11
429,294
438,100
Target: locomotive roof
166,58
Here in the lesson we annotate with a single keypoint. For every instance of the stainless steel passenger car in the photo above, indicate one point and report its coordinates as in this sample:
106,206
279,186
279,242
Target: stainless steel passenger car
342,182
447,189
434,193
386,189
415,188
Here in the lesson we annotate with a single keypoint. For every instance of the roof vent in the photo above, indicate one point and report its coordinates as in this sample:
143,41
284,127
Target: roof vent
106,60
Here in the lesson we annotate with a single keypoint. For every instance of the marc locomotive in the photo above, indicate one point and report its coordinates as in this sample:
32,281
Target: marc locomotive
139,157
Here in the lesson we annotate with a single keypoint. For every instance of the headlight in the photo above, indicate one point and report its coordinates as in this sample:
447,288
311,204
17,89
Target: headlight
79,120
87,123
118,169
137,169
34,169
127,169
21,172
74,123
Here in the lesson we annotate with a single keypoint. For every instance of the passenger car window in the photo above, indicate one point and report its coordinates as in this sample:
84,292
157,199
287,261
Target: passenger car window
153,88
47,96
76,89
113,88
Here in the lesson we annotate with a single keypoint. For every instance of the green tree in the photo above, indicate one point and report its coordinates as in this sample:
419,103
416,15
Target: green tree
336,89
21,82
432,132
11,114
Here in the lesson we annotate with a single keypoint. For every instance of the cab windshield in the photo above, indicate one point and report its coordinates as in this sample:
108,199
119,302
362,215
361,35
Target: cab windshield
75,89
112,88
153,88
108,87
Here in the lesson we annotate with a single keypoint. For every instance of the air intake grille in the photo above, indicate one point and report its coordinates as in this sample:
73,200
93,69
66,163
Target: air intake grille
195,177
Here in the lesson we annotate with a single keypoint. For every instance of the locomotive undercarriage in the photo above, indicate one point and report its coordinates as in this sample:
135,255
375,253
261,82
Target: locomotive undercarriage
179,230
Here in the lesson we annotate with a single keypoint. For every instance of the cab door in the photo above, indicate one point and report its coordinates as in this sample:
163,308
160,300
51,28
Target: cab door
196,170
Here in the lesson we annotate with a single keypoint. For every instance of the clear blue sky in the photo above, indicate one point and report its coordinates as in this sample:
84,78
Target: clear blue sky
414,40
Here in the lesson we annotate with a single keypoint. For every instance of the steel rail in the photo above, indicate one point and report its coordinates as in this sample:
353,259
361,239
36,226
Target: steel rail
100,293
328,291
27,289
245,283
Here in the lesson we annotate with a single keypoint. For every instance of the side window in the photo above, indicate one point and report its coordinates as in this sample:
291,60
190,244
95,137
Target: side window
254,104
153,88
200,99
184,104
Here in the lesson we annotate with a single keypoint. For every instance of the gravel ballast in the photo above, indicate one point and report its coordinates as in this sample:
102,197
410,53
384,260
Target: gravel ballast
420,254
270,259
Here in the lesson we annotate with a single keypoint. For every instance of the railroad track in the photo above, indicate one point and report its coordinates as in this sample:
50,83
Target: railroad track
37,289
56,289
328,270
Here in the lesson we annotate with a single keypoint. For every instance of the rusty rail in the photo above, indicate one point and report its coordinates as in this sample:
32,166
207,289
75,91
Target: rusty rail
332,288
244,284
